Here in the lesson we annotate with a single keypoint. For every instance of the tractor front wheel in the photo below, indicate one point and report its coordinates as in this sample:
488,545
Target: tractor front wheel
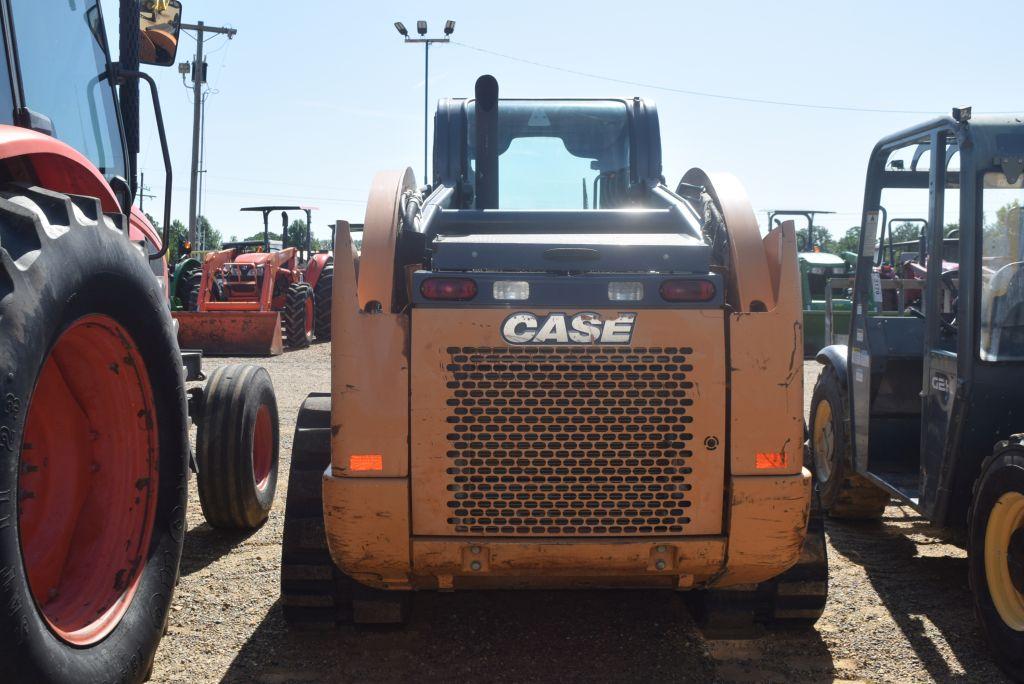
237,447
93,445
996,553
844,493
297,317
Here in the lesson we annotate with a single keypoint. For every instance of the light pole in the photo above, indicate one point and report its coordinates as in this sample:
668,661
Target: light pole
421,29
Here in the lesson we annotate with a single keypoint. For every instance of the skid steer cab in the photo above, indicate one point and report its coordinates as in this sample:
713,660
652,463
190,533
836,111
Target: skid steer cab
257,297
94,448
532,386
924,404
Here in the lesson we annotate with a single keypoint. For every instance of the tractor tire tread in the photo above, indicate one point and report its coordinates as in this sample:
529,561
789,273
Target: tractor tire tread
322,297
293,317
227,489
194,283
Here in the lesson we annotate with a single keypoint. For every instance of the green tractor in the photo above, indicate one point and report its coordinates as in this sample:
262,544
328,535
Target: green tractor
817,268
184,275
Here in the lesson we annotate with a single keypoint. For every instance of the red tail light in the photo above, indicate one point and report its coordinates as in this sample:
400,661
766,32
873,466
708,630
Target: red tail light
448,289
687,290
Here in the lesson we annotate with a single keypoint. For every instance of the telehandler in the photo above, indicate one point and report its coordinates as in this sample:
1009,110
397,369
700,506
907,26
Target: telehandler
555,371
924,404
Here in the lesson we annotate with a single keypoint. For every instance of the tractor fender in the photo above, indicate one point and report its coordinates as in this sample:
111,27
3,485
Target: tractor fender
141,229
56,165
835,355
315,267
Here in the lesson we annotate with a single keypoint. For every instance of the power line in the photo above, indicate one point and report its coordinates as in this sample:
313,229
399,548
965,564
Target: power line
699,93
237,193
265,181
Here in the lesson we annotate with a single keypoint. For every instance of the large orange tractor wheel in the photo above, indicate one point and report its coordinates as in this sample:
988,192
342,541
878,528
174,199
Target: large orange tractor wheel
93,444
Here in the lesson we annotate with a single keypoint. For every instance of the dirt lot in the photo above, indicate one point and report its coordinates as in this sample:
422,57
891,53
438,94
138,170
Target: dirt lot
898,611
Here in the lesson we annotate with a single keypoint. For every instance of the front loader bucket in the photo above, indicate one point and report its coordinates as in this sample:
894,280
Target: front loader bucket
230,333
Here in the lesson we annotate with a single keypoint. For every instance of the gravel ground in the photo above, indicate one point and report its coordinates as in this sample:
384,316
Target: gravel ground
899,610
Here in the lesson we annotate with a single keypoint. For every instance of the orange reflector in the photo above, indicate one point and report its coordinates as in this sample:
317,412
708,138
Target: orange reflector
771,460
366,462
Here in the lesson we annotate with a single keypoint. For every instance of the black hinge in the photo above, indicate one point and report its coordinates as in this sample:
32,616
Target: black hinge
40,123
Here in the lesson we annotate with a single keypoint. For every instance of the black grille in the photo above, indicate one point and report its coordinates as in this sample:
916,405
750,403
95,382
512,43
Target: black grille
578,441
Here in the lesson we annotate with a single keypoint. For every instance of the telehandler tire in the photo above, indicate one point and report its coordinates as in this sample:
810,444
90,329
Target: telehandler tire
93,444
297,316
237,447
844,493
322,296
996,553
314,592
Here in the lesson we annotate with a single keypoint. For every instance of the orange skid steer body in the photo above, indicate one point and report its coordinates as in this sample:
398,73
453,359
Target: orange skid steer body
478,445
603,392
241,297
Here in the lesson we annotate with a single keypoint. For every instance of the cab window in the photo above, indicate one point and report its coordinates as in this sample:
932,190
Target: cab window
1002,278
63,61
6,93
559,154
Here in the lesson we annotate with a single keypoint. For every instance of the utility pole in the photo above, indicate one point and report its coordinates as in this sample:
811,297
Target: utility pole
198,79
421,29
143,189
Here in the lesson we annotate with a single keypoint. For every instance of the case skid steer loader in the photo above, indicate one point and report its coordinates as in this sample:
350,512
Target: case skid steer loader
571,376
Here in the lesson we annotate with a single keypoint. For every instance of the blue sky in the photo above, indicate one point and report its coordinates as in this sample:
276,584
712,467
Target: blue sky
314,96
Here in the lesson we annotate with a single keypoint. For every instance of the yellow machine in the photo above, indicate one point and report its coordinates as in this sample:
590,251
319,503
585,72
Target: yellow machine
543,382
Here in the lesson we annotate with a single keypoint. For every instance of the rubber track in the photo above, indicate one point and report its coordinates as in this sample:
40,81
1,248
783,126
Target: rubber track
800,594
313,591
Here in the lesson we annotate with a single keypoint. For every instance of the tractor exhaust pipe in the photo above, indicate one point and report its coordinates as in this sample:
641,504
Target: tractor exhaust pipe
486,142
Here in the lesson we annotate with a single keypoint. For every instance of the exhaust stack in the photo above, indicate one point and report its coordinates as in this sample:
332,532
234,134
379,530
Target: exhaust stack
486,142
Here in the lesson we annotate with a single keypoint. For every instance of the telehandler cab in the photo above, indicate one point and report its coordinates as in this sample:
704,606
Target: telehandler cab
532,385
925,404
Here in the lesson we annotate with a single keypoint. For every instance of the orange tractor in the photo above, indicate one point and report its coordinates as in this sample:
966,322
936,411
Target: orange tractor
257,297
94,413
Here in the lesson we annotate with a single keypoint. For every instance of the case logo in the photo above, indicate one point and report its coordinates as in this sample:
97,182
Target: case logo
559,328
